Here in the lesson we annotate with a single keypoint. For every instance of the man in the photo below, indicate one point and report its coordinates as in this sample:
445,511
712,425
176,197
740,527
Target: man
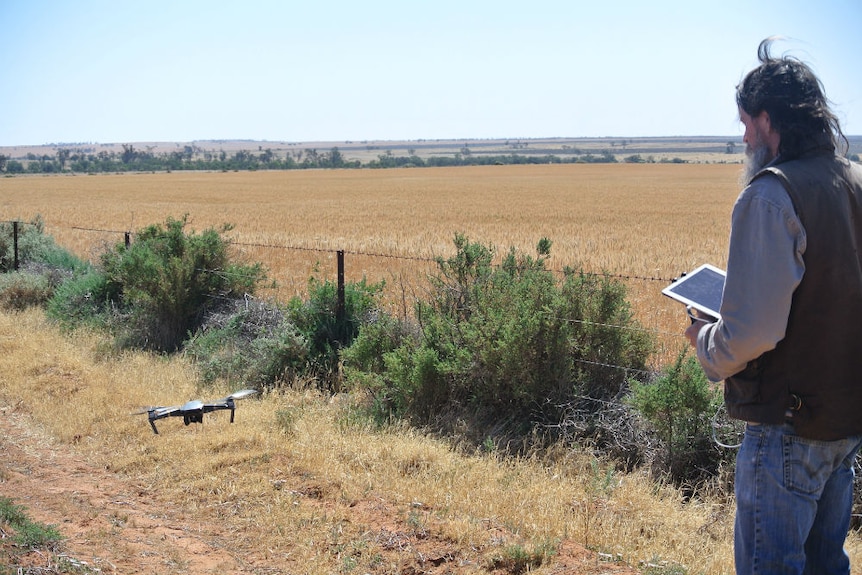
789,341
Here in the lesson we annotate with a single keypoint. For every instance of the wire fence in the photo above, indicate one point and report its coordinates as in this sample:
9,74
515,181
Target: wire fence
407,277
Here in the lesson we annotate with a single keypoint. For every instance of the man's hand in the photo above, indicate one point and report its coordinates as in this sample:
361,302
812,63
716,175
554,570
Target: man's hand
692,331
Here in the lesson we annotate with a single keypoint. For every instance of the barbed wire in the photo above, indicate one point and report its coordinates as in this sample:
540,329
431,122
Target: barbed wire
425,259
362,253
99,230
436,259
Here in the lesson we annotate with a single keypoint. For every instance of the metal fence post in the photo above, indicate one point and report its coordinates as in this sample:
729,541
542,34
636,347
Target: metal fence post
339,306
15,244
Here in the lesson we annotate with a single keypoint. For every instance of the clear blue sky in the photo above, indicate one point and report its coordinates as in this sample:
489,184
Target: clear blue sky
112,71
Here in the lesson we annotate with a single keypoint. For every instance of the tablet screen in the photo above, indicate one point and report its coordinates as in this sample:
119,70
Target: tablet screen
701,289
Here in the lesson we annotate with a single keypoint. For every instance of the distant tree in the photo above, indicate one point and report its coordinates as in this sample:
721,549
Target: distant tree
129,154
63,157
731,148
336,158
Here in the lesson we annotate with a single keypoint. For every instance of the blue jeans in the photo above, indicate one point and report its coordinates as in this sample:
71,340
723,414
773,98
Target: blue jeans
794,497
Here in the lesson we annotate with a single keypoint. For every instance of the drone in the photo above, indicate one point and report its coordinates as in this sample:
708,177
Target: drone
193,411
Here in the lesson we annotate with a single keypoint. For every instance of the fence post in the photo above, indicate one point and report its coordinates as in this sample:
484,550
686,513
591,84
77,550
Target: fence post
127,237
15,245
339,306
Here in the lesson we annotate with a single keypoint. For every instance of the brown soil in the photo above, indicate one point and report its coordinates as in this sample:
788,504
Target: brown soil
111,524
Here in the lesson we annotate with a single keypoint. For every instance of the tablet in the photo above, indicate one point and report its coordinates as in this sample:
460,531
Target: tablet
701,289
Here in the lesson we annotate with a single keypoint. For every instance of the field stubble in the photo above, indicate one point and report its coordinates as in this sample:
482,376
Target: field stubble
645,222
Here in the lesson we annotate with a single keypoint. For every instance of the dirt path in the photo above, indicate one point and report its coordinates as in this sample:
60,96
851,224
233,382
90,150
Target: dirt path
113,525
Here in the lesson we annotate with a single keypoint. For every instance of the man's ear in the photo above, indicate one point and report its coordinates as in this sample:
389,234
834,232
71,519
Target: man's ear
772,137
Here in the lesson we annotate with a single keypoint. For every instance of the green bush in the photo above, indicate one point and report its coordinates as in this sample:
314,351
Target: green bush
679,404
513,342
329,330
365,366
167,279
265,345
83,300
34,247
42,266
31,241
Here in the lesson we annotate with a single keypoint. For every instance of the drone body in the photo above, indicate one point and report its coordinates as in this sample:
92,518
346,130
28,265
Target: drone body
193,411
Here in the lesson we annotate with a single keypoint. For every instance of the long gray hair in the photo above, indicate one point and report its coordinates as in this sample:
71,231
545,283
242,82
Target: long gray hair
787,90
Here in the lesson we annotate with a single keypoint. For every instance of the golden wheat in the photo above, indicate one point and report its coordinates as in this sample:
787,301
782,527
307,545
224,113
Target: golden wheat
632,220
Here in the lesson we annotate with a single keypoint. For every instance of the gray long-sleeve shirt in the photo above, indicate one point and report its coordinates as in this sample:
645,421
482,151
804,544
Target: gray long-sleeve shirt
764,266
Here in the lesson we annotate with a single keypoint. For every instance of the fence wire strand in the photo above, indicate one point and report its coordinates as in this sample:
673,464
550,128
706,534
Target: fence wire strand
425,259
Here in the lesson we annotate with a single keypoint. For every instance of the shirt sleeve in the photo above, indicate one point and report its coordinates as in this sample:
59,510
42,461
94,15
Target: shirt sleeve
764,266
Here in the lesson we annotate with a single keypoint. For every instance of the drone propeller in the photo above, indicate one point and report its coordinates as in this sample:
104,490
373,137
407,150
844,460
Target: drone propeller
240,394
154,409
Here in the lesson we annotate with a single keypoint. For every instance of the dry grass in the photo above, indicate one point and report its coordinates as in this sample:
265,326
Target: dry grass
286,481
639,221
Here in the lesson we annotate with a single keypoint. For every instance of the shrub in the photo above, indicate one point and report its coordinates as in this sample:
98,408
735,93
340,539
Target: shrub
28,534
42,266
167,279
679,404
512,342
329,330
248,341
85,299
30,239
19,290
34,246
365,366
265,345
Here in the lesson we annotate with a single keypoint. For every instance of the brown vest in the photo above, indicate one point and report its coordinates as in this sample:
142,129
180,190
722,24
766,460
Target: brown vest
815,373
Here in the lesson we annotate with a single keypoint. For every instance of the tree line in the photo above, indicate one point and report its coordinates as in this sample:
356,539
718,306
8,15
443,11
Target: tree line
131,159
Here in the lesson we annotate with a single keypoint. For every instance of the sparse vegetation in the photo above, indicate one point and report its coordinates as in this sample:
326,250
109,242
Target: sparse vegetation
27,533
20,536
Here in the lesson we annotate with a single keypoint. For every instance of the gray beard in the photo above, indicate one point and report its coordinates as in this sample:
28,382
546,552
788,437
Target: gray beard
755,160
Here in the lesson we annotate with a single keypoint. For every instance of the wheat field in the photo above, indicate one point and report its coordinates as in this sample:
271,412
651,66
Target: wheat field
645,223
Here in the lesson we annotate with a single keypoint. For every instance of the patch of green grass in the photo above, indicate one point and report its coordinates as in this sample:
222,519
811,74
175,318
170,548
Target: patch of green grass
27,533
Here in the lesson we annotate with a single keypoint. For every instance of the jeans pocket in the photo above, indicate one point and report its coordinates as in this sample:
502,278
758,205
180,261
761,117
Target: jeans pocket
808,464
